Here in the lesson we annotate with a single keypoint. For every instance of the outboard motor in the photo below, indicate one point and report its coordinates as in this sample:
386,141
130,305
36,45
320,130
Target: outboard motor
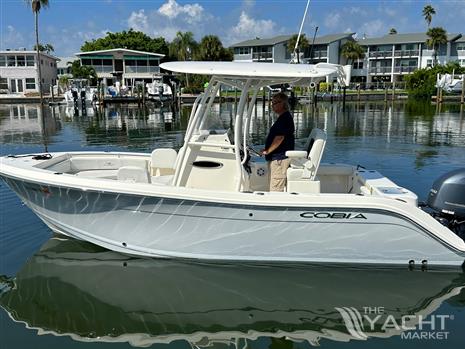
447,200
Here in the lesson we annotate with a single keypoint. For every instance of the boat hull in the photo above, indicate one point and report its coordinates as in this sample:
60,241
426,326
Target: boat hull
181,228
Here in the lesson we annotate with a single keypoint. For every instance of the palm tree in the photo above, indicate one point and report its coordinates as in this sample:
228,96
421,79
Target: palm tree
210,49
428,12
183,46
352,51
303,44
36,5
436,37
392,31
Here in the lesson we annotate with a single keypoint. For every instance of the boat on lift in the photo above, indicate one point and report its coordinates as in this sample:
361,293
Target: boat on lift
211,199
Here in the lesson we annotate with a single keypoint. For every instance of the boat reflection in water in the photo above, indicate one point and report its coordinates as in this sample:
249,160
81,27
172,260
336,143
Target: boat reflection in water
78,289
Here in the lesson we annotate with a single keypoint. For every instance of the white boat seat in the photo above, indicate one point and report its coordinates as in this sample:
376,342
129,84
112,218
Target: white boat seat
162,180
301,175
163,162
133,174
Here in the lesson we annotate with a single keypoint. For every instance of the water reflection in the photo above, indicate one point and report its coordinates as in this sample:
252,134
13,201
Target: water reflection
77,289
411,122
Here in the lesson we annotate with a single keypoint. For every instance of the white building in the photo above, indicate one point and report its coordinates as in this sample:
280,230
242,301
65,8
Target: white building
64,66
271,50
19,72
389,58
126,66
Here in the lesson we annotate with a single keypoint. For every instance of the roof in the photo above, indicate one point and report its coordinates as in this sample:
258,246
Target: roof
121,50
64,61
258,70
327,39
263,42
30,52
402,39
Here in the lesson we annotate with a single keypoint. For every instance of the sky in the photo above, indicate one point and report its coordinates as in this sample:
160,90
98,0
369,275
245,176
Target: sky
67,24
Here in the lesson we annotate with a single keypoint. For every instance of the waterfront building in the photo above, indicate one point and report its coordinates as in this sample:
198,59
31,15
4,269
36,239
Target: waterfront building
275,50
271,50
123,65
327,49
19,71
389,58
64,66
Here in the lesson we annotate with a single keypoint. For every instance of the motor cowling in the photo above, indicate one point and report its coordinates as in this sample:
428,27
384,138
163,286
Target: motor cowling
447,199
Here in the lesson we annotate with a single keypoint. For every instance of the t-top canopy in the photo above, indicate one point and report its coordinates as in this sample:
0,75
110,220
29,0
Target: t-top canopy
260,70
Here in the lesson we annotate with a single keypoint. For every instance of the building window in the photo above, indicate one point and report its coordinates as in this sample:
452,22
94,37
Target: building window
41,62
30,83
3,84
429,63
462,62
2,61
30,61
358,65
11,61
20,61
242,50
461,46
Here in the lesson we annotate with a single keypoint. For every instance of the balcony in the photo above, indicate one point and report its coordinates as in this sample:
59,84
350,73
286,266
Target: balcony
262,56
406,53
380,70
142,70
378,54
319,54
404,69
102,68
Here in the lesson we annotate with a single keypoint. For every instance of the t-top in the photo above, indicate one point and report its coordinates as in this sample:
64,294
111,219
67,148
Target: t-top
283,126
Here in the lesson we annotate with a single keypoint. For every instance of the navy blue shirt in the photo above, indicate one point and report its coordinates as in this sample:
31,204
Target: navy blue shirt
283,126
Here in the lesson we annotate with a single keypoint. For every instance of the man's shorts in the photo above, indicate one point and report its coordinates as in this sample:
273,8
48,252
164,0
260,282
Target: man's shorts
278,174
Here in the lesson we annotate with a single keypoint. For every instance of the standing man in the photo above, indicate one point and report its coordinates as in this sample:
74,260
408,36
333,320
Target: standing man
279,140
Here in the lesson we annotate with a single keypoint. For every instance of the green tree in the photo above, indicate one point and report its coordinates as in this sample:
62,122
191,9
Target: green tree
36,5
436,37
392,31
303,44
131,40
183,47
211,49
421,84
83,72
428,12
47,48
352,51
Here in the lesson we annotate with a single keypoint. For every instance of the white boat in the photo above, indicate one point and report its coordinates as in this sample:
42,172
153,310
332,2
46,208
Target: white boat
158,90
211,201
102,296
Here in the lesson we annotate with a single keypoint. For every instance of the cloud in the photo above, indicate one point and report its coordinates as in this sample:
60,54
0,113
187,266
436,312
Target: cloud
333,20
190,12
248,27
138,21
170,18
12,38
373,28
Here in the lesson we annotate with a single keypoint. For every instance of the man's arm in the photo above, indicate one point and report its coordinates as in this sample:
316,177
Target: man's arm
277,140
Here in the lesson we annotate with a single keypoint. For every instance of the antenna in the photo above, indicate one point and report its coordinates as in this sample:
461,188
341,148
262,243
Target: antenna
300,31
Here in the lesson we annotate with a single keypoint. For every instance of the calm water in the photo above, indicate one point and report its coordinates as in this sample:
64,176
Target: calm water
57,293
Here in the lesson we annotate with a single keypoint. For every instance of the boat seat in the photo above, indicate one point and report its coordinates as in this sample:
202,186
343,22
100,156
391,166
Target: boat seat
304,164
162,180
133,174
163,162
